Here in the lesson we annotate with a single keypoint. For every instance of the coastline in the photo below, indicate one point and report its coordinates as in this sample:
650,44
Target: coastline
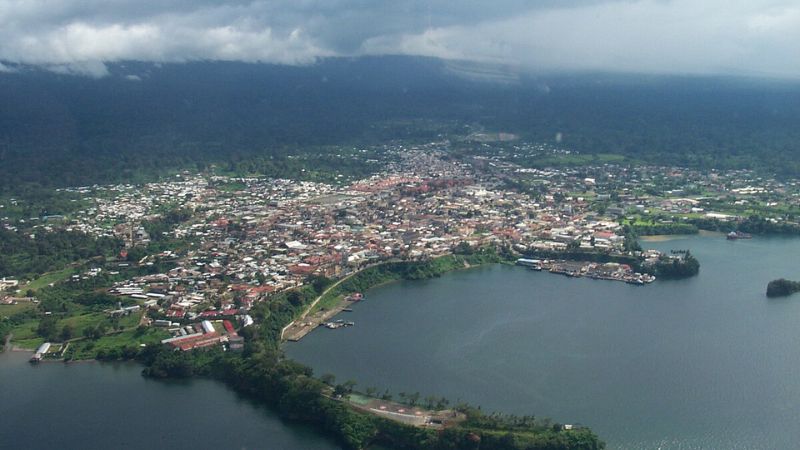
672,237
312,319
294,389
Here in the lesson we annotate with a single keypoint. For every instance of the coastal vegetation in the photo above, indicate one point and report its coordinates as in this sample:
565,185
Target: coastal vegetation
782,287
757,224
681,264
263,374
655,227
583,255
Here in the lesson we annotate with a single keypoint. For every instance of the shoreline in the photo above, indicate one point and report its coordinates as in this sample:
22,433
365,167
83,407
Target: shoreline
673,237
301,327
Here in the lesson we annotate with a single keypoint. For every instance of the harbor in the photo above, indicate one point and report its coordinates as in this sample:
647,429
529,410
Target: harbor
300,328
597,271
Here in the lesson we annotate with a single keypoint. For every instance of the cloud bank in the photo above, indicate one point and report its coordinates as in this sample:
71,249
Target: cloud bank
753,37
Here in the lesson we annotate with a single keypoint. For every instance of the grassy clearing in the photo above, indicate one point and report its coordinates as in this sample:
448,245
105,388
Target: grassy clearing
28,344
82,321
24,331
329,301
112,345
90,320
10,310
48,278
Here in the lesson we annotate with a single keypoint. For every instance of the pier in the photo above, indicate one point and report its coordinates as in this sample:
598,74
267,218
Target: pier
597,271
300,328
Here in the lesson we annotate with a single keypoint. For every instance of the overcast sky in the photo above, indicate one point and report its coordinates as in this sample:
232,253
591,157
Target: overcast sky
755,37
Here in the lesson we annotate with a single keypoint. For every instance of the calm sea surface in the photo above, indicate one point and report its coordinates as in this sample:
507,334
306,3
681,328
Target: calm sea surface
708,362
111,406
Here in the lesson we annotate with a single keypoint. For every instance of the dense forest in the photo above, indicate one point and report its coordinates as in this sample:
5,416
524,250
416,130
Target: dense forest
145,120
26,256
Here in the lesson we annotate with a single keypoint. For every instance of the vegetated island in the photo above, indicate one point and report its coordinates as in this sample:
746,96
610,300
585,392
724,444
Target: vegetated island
782,287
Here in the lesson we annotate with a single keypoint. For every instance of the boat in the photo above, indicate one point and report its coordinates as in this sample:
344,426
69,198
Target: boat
338,324
40,352
734,235
355,297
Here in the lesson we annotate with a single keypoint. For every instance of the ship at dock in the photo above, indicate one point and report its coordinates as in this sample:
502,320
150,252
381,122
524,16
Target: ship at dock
355,297
40,353
337,324
735,235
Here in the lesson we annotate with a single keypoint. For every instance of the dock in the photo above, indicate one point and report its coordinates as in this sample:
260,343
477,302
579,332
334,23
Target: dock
301,327
40,352
597,271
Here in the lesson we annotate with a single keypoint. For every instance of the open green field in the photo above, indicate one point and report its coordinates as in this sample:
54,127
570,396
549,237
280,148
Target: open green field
10,310
48,278
24,331
28,344
328,301
88,320
112,345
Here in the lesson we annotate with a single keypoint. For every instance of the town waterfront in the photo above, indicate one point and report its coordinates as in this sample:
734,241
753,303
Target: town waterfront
706,362
110,405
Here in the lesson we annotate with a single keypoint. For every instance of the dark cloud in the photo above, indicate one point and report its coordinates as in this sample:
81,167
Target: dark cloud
679,36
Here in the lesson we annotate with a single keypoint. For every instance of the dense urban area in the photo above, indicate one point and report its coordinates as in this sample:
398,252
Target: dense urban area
234,264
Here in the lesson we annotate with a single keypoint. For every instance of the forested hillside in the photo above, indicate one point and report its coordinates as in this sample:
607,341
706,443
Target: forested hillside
145,119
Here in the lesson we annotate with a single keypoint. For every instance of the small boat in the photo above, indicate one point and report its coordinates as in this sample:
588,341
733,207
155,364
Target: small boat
355,297
338,324
734,235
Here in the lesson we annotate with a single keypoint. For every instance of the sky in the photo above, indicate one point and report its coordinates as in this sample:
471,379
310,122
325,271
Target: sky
732,37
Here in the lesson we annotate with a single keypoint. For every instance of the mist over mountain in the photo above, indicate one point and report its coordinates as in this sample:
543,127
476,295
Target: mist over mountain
59,129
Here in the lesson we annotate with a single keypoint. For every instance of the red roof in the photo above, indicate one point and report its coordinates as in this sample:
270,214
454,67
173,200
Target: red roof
228,326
